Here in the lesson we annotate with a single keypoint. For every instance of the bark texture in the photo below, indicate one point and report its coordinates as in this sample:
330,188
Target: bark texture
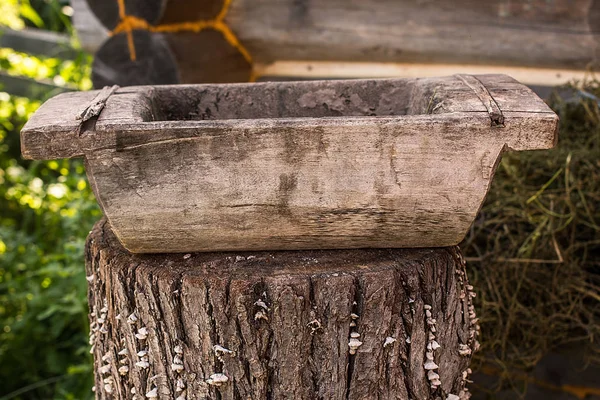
344,324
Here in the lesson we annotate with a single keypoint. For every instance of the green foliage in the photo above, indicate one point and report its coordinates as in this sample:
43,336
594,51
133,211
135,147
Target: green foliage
47,209
16,14
72,73
47,14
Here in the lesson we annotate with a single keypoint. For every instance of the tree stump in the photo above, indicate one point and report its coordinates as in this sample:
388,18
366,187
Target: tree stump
343,324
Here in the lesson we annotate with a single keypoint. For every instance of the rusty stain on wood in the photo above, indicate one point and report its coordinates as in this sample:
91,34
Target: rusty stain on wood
297,165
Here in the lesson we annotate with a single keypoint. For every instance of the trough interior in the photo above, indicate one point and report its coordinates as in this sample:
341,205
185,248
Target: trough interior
316,99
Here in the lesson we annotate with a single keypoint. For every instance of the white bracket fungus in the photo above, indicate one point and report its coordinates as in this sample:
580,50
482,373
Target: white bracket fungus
217,379
152,394
430,365
142,333
132,319
354,343
260,314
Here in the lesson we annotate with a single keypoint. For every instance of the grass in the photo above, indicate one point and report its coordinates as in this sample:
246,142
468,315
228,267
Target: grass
534,250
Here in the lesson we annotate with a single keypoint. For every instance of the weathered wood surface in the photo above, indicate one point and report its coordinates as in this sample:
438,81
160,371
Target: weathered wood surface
561,33
95,107
551,34
296,165
279,325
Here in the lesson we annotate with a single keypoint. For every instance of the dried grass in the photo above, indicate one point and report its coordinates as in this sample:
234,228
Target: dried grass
534,250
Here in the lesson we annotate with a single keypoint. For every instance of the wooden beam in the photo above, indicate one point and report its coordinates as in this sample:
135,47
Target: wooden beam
25,87
557,34
350,70
38,42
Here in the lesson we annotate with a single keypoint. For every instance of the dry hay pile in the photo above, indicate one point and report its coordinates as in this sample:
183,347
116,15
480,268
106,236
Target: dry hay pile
534,250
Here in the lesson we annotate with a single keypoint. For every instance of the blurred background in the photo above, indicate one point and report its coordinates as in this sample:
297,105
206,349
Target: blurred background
533,254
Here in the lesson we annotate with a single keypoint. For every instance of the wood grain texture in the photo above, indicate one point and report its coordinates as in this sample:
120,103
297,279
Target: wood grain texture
559,33
296,165
283,322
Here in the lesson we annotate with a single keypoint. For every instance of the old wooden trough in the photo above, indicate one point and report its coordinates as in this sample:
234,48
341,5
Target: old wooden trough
294,165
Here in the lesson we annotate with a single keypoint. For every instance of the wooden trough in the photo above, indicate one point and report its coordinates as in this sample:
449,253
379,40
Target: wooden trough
294,165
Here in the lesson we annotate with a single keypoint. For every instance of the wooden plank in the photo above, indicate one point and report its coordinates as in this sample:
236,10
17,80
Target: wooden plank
38,42
302,70
295,165
25,87
551,34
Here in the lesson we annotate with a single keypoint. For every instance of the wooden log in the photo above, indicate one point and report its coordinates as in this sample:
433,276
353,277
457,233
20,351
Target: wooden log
165,58
295,165
349,324
154,61
319,70
559,34
110,14
156,12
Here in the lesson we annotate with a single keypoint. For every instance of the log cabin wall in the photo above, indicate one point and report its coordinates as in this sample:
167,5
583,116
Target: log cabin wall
179,41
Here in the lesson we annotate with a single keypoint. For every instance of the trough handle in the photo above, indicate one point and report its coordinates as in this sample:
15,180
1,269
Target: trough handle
70,124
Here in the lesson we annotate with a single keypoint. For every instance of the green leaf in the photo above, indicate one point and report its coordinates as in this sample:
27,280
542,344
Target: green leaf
29,13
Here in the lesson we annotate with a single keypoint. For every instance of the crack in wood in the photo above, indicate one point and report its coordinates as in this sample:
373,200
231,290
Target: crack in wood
486,98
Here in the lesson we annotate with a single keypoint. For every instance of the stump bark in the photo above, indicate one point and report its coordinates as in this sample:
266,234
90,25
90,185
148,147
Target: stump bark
344,324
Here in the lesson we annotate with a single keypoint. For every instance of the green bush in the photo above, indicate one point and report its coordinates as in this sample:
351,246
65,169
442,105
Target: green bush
46,211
